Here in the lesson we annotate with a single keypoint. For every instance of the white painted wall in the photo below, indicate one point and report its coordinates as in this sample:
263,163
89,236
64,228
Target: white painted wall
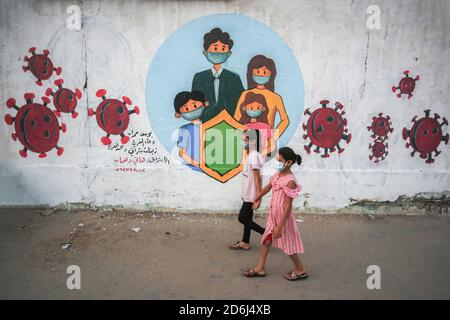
340,58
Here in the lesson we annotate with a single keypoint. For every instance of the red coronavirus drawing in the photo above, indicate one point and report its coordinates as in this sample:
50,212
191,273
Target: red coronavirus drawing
381,127
425,136
325,128
406,85
113,116
64,100
379,151
40,65
36,126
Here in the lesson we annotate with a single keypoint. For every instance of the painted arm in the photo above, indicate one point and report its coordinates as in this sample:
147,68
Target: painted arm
237,112
182,153
195,83
284,119
235,95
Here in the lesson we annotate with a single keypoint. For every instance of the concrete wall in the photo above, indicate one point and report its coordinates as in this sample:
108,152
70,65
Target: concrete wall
340,58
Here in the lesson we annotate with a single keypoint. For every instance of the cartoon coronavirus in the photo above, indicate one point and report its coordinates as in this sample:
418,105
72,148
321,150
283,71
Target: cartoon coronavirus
40,65
36,126
406,85
325,128
381,127
425,136
64,100
379,151
113,116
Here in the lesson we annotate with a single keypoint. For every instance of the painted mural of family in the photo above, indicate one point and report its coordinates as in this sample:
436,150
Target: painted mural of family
217,89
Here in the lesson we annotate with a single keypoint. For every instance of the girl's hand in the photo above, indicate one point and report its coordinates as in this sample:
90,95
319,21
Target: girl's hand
277,232
256,205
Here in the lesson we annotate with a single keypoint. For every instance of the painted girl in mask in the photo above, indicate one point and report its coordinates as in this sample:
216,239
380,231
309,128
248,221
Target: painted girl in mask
254,111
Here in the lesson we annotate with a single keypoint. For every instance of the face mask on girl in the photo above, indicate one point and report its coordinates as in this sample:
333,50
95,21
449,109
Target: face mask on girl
279,165
261,79
217,57
192,115
254,113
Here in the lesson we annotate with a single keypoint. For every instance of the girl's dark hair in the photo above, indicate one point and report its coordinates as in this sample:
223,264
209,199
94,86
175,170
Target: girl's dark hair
257,62
289,154
251,97
253,134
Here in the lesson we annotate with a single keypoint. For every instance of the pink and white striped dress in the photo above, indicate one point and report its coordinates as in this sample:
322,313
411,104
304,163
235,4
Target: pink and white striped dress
290,241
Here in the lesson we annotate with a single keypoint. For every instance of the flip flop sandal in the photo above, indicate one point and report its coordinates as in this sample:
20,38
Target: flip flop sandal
292,276
237,246
250,273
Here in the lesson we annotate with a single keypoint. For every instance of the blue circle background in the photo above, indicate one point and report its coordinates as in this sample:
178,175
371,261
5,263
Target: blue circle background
180,57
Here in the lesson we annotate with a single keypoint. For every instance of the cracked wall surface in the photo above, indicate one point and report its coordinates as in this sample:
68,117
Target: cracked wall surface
341,59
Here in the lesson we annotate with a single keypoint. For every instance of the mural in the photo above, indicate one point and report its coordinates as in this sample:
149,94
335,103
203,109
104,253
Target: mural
406,85
217,106
113,116
380,128
40,65
425,136
36,126
325,128
223,74
64,100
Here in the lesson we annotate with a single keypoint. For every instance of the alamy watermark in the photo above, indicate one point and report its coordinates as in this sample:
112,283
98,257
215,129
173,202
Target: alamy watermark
73,282
374,280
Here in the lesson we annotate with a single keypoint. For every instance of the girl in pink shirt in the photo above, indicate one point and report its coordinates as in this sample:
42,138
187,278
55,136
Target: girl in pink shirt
251,185
281,227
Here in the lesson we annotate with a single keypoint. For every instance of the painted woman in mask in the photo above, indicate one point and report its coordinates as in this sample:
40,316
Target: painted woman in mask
261,74
221,87
190,106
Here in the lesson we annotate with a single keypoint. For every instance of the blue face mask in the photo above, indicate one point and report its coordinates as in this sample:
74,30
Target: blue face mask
217,57
192,115
278,165
244,144
254,113
261,79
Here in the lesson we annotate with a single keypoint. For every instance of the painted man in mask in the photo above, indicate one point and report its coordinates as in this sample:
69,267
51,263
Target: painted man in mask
222,87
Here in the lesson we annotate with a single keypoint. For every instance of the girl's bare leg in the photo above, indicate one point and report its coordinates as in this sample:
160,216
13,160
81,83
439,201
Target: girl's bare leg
298,266
263,252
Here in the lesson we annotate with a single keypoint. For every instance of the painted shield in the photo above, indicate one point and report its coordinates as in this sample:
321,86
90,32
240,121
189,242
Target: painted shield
221,150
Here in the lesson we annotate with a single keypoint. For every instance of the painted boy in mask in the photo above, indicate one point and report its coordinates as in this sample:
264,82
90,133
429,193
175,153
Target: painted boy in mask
190,106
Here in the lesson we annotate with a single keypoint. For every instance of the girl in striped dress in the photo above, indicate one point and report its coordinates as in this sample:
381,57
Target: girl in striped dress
281,227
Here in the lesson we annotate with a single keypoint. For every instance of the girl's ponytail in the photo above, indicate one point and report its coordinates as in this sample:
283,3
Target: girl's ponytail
299,159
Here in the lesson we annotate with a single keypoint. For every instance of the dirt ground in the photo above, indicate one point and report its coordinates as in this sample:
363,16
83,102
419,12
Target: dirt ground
186,257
